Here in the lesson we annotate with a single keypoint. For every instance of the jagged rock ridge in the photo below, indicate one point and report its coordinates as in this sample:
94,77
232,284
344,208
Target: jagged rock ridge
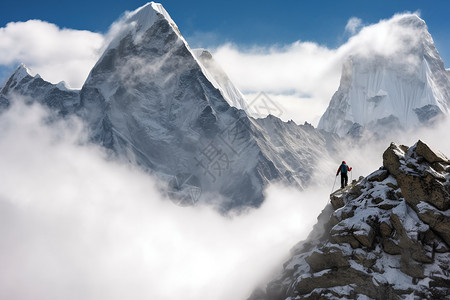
32,88
384,237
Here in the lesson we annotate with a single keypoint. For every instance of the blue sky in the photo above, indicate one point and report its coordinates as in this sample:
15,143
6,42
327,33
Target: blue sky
241,22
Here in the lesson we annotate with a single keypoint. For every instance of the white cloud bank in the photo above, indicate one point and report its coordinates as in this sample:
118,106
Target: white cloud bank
56,54
300,77
76,225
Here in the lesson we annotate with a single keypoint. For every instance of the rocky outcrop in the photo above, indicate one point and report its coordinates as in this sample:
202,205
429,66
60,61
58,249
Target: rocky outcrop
384,237
419,174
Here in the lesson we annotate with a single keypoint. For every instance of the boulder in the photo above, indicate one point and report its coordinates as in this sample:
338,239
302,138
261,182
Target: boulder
416,189
411,268
387,206
415,186
410,248
365,237
345,237
344,213
379,175
377,200
336,277
385,229
391,247
430,155
391,158
437,220
336,200
326,259
367,259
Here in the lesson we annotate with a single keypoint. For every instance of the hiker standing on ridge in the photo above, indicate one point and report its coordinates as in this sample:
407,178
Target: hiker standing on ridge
343,169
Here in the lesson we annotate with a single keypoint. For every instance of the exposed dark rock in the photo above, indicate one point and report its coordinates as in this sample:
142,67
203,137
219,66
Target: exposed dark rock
418,185
379,175
336,201
365,237
344,237
390,246
439,221
412,268
326,259
430,156
385,229
330,278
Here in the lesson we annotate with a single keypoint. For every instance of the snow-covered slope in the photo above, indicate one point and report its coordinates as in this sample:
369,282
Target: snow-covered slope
403,89
34,88
220,80
386,236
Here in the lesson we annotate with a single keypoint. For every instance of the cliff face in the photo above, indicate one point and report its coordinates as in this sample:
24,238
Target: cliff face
386,236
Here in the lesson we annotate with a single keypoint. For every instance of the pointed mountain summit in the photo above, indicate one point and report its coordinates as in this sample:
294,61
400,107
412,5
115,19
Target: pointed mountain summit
153,101
148,99
397,83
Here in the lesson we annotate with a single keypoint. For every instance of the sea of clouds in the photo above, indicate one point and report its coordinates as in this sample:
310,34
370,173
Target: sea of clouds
77,224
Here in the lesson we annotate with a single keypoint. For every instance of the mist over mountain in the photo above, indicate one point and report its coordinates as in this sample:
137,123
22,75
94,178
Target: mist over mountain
156,120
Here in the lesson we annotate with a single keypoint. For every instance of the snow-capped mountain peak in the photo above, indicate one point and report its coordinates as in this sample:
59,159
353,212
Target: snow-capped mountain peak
145,16
139,21
402,84
21,72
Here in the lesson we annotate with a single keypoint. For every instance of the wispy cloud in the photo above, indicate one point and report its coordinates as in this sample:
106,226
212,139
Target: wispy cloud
353,25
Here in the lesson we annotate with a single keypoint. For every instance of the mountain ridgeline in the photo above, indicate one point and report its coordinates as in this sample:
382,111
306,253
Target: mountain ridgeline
173,111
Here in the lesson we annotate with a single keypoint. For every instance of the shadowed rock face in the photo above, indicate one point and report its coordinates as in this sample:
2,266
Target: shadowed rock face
386,236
